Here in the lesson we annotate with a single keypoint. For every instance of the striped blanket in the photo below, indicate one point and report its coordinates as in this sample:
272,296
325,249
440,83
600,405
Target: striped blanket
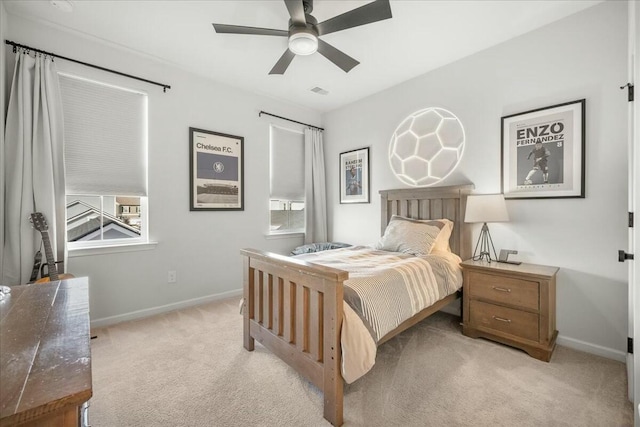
387,288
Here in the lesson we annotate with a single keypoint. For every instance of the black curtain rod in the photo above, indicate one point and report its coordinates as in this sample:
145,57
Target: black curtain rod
54,55
290,120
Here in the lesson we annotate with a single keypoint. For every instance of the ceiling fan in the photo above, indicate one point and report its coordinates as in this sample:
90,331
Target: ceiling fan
304,31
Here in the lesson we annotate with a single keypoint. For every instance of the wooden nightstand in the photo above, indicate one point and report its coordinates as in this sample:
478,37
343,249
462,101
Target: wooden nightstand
511,304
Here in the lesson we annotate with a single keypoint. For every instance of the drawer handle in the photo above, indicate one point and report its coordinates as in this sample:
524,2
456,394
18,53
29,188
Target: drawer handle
499,289
501,319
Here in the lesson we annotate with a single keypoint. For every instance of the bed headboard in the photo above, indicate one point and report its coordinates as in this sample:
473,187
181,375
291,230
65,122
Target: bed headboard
431,203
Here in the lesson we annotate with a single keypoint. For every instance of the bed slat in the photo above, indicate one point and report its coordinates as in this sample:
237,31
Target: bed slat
436,209
268,301
394,207
425,210
278,306
292,313
449,209
414,209
315,325
299,318
404,208
286,311
260,291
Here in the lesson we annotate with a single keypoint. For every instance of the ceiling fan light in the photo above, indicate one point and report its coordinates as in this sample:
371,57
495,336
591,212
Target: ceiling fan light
303,43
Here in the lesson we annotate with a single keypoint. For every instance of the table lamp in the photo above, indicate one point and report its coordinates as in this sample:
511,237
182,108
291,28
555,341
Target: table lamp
485,208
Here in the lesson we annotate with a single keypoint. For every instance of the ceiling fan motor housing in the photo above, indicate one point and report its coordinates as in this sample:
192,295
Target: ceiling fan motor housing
308,6
310,27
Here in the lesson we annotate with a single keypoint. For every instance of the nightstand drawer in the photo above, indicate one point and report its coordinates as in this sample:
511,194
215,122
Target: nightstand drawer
514,322
504,290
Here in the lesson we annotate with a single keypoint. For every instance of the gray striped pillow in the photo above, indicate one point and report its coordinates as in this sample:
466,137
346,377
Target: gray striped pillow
410,236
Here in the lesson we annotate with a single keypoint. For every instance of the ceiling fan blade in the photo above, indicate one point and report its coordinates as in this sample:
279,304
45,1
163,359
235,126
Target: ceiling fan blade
296,11
283,63
336,56
239,29
372,12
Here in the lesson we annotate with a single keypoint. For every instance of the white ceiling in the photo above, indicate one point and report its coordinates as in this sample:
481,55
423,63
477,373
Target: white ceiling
421,36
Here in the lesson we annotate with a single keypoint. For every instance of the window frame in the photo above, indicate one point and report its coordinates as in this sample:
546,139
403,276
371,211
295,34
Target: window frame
91,247
288,202
297,231
105,243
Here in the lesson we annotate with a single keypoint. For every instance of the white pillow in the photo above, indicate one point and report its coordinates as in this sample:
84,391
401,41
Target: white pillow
415,237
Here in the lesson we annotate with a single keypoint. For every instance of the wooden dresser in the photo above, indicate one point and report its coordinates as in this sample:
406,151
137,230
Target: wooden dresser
45,354
511,304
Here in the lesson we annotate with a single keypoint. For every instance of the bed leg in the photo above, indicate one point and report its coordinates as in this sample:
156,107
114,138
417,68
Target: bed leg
333,401
248,340
333,385
247,309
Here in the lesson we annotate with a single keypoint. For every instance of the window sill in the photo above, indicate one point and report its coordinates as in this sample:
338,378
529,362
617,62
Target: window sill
113,249
284,235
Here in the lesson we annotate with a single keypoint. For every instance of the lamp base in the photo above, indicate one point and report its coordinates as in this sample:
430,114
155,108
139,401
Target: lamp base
483,243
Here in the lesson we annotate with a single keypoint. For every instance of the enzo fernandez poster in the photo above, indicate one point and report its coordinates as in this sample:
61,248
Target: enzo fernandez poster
540,143
217,170
543,152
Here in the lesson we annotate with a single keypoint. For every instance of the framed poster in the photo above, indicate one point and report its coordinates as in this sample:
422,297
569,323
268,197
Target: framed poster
216,167
543,152
354,176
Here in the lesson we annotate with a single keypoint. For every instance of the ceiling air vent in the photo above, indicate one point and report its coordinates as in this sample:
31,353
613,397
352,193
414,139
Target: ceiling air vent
319,91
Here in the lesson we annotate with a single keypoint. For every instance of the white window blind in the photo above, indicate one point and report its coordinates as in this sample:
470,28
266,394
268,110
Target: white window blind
287,164
105,138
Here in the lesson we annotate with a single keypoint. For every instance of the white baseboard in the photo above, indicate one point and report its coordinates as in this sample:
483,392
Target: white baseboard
112,320
587,347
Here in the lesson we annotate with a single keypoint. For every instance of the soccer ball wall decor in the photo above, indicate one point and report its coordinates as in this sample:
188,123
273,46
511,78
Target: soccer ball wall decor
426,147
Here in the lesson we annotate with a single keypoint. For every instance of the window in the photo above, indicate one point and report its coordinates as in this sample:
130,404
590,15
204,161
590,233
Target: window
286,200
286,215
98,218
105,154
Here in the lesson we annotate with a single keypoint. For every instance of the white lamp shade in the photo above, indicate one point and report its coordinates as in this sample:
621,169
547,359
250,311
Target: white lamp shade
303,43
486,208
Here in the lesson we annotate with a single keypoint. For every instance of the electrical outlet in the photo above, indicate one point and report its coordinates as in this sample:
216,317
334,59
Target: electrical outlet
172,276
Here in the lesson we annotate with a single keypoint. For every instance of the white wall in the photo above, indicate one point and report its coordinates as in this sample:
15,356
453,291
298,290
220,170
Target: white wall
582,56
203,247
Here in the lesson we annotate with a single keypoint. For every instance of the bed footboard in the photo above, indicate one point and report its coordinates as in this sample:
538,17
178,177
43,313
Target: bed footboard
294,308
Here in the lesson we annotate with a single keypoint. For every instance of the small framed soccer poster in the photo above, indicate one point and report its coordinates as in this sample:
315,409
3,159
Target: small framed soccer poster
216,171
543,152
354,176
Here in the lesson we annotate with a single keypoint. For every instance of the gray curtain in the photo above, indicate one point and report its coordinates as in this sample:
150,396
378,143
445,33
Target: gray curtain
315,191
33,167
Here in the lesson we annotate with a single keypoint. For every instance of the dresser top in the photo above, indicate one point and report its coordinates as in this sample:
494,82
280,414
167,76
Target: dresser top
501,267
45,354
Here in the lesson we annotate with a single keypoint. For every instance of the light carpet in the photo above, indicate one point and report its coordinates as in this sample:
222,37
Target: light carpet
188,368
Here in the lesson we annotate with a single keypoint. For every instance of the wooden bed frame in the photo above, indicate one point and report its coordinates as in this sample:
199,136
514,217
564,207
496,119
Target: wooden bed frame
294,308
